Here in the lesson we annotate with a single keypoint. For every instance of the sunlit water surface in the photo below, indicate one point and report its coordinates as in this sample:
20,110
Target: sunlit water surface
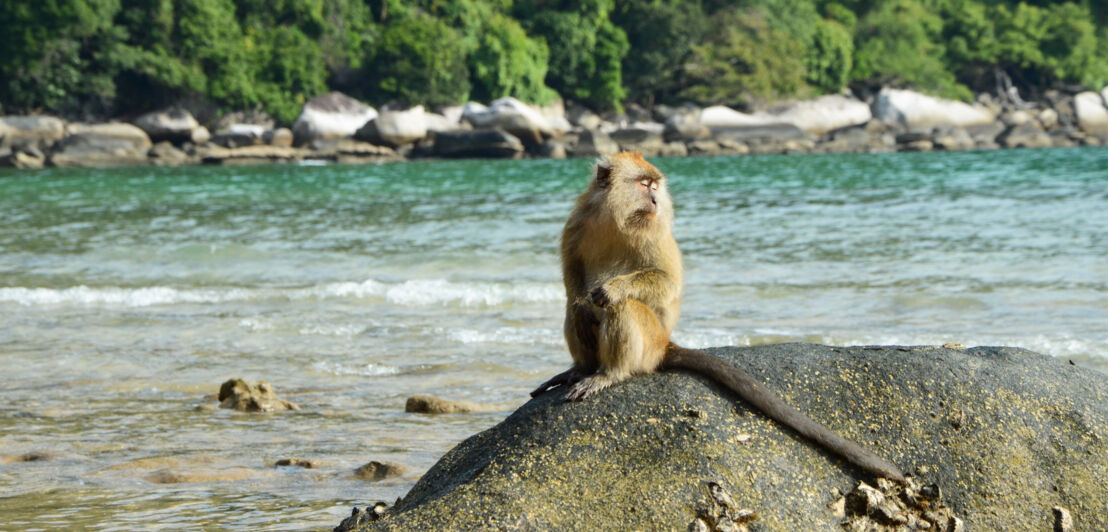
127,297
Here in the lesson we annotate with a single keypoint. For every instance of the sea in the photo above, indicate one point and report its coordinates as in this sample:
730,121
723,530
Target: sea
127,296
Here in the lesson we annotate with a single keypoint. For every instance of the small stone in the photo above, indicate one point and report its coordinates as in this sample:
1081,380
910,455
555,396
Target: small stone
698,525
1062,520
298,462
720,495
955,525
957,418
744,516
360,516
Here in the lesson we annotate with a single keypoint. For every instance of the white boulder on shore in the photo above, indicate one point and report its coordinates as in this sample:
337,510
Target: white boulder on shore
331,116
823,114
721,116
37,130
914,110
517,118
395,128
1092,115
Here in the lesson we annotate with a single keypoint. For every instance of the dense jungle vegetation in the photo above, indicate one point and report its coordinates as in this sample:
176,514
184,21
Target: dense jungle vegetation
98,58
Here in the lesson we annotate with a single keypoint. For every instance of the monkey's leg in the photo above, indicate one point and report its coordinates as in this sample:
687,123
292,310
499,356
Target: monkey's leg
581,330
630,341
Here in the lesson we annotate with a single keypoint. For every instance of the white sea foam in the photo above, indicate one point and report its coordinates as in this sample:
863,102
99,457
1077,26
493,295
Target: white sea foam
423,292
114,296
368,370
508,335
332,330
407,293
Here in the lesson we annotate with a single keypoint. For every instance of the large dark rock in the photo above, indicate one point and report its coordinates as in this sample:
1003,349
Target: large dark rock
173,125
1001,436
768,134
485,143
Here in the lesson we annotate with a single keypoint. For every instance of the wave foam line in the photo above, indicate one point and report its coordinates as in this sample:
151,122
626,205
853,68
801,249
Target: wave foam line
425,292
407,293
111,296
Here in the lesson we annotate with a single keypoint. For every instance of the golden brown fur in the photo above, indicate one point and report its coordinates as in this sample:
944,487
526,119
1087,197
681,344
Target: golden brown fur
623,278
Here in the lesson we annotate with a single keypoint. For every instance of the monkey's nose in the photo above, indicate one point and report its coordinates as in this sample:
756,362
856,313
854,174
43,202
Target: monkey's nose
653,199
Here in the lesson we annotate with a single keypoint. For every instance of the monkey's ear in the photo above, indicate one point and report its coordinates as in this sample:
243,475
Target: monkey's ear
603,174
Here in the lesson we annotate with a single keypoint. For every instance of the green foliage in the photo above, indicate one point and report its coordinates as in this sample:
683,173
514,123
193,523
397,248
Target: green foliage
96,58
509,63
52,55
1043,44
744,61
417,59
661,33
586,51
830,56
290,71
900,43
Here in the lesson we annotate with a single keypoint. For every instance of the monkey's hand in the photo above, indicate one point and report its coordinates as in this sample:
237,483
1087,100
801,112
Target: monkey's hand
599,297
613,290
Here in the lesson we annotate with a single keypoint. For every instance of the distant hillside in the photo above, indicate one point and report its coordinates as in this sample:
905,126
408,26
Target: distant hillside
98,58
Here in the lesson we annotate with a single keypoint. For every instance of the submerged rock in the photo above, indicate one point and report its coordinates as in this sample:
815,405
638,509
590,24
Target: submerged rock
996,436
299,462
375,471
242,396
423,404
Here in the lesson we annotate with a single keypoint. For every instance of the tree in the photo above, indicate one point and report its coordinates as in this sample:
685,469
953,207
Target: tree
899,43
586,50
661,34
56,55
745,61
509,63
417,59
830,56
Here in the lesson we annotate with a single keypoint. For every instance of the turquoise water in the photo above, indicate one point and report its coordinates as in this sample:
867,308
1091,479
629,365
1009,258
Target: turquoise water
128,295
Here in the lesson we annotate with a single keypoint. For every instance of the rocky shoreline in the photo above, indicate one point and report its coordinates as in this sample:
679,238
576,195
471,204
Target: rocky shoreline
336,128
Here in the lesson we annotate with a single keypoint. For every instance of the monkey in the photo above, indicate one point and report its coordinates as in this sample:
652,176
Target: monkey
624,277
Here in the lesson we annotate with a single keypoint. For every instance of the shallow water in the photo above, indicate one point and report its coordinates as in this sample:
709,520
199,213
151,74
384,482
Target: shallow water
127,296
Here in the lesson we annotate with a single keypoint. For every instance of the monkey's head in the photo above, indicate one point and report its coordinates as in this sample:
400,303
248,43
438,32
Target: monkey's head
633,191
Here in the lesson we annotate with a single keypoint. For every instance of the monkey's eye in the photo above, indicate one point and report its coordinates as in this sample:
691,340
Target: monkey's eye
654,185
647,183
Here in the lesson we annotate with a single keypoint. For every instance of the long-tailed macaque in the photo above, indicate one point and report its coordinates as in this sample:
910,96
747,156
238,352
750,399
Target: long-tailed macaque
623,277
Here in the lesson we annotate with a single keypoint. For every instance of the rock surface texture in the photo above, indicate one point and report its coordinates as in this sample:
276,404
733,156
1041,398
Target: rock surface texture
993,438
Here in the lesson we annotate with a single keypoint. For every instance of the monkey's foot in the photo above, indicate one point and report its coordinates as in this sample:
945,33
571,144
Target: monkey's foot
568,377
588,386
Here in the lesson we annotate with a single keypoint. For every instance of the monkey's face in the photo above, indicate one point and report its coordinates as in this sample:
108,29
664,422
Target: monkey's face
635,192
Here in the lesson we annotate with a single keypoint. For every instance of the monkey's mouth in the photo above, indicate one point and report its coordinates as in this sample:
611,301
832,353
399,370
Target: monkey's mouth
641,218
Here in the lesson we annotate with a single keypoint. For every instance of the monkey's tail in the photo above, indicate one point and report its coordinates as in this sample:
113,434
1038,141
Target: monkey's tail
773,406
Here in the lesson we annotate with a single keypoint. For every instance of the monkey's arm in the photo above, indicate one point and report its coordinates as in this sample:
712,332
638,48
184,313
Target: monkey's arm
774,407
653,284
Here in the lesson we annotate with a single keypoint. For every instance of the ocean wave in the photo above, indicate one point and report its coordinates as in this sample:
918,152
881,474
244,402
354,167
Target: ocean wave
423,292
114,296
367,370
507,335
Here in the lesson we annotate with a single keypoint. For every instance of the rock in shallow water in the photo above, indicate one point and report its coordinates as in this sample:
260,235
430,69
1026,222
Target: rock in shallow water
244,397
1032,434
